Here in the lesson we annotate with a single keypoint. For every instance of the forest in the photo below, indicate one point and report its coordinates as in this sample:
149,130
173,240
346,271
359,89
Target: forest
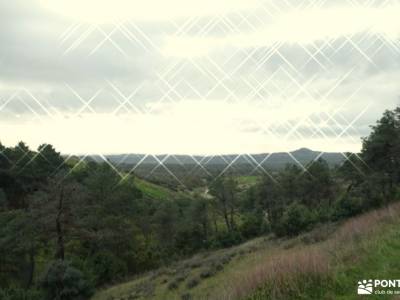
69,227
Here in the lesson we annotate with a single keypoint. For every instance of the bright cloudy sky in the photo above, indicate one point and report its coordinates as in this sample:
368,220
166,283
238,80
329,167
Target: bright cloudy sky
196,77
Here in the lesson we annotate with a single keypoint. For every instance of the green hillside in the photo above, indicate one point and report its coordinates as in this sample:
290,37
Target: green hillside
72,230
154,191
326,263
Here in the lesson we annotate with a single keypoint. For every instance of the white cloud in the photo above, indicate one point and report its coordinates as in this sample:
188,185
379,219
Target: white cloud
109,11
31,57
188,127
299,26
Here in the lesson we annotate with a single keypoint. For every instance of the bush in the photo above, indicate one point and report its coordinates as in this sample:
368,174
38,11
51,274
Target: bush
107,267
176,281
348,206
64,282
193,282
226,239
20,294
253,225
208,272
173,285
295,219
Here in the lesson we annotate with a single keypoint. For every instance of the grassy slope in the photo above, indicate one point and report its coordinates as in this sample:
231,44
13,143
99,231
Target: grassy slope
379,258
149,189
154,191
366,247
323,264
159,192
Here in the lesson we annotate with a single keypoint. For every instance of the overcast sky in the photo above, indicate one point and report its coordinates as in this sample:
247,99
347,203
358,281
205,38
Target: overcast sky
196,77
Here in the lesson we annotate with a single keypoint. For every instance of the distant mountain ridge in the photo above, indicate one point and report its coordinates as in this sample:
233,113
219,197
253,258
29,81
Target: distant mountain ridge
272,160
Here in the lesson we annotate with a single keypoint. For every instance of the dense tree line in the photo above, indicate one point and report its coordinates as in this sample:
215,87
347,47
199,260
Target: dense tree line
298,199
69,226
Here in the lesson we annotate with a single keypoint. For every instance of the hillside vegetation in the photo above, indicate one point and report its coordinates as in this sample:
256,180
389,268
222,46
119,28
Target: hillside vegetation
154,191
326,263
71,228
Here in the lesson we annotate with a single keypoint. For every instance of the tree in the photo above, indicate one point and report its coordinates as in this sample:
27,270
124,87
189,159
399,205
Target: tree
316,184
272,201
381,151
166,223
56,208
107,217
4,160
48,161
193,230
62,281
224,190
295,219
352,170
17,240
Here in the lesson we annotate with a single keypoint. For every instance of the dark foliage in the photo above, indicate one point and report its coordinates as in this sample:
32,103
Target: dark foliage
69,226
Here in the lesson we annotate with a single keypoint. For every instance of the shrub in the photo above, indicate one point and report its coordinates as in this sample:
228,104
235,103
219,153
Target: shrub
64,282
173,285
107,267
195,264
226,239
218,266
253,225
348,206
176,281
295,219
193,282
20,294
208,272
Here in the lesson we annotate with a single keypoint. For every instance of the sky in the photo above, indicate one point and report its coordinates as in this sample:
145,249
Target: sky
196,77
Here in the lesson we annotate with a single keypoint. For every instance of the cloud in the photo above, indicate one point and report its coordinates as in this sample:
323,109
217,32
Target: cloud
305,26
105,11
191,127
195,76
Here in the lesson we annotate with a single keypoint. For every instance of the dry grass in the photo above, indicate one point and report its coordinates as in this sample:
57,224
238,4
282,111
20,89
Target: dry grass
365,224
288,271
280,273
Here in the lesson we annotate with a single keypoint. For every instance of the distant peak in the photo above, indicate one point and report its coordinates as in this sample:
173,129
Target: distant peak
303,150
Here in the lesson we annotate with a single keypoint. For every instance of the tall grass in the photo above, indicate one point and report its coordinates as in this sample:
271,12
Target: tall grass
297,271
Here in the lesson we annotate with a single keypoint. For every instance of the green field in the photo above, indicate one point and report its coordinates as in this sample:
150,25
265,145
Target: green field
154,191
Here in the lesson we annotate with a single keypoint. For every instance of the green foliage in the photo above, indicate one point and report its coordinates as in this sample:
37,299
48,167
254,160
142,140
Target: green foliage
253,224
380,154
107,267
112,226
154,191
20,294
224,190
295,219
63,281
48,162
192,282
348,206
226,239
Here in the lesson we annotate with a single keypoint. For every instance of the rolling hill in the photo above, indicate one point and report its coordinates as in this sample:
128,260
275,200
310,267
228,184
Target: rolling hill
275,160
